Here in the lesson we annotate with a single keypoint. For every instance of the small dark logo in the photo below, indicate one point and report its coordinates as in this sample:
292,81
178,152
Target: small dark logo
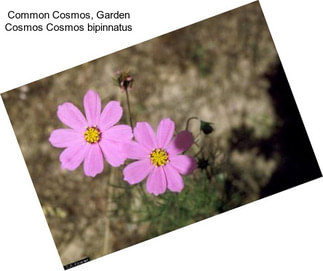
71,265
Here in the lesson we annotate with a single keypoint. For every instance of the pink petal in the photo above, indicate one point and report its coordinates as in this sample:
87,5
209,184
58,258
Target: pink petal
118,133
73,156
165,132
111,115
92,107
113,152
134,150
183,163
174,180
137,171
71,116
145,135
156,182
93,162
180,143
62,138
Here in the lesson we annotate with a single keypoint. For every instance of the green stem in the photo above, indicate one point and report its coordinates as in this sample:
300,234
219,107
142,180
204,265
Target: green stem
120,187
188,121
129,109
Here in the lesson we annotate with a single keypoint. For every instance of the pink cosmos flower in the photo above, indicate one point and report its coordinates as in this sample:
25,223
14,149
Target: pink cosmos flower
159,157
87,138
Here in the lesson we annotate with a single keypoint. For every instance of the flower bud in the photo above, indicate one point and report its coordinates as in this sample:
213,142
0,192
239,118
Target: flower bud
202,163
124,80
206,127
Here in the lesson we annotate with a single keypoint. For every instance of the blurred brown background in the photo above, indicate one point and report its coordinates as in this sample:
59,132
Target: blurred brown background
224,70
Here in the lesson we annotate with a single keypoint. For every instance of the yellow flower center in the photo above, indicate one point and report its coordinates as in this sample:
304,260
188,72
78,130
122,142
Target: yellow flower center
159,157
92,135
